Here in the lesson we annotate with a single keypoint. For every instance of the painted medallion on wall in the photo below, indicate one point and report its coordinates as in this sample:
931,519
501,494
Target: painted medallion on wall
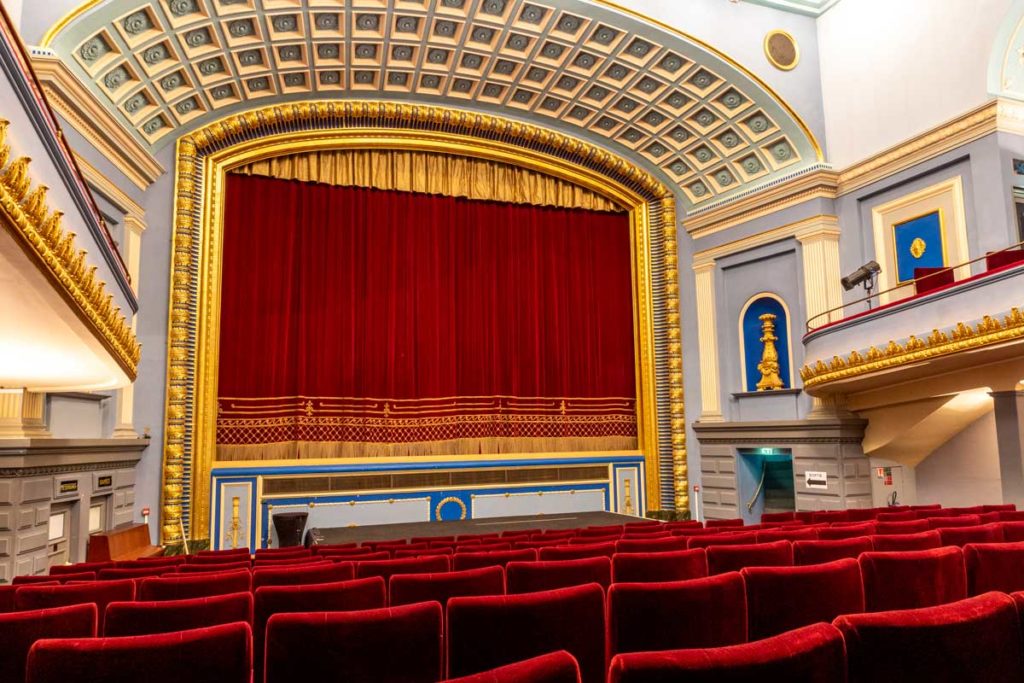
781,50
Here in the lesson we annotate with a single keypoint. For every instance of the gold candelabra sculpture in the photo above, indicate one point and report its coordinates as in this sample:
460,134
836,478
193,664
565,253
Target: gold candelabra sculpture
769,365
628,496
236,527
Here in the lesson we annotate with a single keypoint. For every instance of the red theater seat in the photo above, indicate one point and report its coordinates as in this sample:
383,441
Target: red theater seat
328,572
556,667
411,565
1012,531
816,552
901,516
528,577
994,567
924,540
100,593
722,539
777,517
356,554
390,644
486,632
830,516
406,589
59,578
784,598
928,279
1011,515
432,552
593,540
58,569
662,566
218,654
977,639
162,561
1002,259
462,561
813,654
281,553
576,552
19,630
730,558
684,524
598,531
210,568
182,586
952,522
665,616
835,533
984,533
229,552
795,534
862,515
650,545
720,523
913,526
119,574
164,616
907,580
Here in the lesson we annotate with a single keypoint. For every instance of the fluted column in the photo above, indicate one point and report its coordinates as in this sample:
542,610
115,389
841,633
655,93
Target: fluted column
21,414
707,343
822,290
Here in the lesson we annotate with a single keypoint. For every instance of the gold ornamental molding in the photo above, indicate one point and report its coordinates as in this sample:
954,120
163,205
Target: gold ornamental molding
205,156
988,331
44,238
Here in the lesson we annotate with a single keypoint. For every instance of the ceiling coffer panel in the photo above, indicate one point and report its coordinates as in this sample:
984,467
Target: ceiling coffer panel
592,70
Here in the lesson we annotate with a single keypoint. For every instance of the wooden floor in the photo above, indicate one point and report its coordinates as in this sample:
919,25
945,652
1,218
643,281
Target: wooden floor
384,532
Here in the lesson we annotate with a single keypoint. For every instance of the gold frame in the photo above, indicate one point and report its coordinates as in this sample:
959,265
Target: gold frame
768,55
942,240
203,159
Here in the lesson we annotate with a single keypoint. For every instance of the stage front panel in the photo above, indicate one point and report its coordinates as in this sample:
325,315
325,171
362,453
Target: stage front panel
359,322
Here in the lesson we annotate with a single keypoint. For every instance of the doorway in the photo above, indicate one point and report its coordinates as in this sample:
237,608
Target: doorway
764,481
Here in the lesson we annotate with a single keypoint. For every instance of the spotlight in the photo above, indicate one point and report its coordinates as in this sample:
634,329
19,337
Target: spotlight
865,273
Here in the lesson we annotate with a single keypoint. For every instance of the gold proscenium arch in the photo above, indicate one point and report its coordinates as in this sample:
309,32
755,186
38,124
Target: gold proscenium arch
205,157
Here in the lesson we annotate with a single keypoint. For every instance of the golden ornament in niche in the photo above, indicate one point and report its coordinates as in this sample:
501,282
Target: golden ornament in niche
781,50
917,247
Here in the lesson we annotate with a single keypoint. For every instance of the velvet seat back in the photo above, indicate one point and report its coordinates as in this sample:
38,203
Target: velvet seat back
327,572
528,577
79,567
463,560
918,578
218,654
410,565
707,612
122,574
722,523
406,589
650,545
679,565
215,555
389,644
164,616
211,567
487,632
834,533
182,586
817,552
913,526
706,541
783,534
952,522
731,558
994,567
977,639
59,578
555,667
100,593
577,552
780,599
961,536
813,654
19,630
924,540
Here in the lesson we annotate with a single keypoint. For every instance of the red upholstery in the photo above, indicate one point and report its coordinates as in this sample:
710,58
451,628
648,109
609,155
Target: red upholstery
816,552
683,524
977,639
556,667
863,515
211,568
182,586
281,553
118,574
1011,515
500,558
1001,259
777,517
406,589
356,554
100,593
718,523
19,630
411,565
784,598
951,522
486,632
994,567
906,580
390,644
664,616
210,564
431,539
342,596
999,507
228,552
813,654
650,545
59,578
835,533
483,547
1012,531
722,539
477,537
218,654
830,516
320,547
929,279
923,540
405,554
528,577
909,527
80,567
328,572
795,534
593,540
730,558
576,552
164,616
901,516
162,561
608,530
984,533
663,566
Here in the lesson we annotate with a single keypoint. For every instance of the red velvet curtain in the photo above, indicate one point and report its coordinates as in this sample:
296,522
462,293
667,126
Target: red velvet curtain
369,322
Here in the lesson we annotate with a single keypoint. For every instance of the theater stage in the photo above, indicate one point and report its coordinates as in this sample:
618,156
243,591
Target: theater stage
485,525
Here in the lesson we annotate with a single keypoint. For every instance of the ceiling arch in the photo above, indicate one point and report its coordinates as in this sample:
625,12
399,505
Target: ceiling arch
684,110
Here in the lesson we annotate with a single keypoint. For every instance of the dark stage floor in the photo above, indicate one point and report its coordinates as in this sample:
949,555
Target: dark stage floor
385,532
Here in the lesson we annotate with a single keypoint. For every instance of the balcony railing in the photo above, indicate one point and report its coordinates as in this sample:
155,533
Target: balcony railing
1005,258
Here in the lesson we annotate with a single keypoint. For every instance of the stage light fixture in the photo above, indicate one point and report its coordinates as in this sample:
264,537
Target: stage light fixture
865,273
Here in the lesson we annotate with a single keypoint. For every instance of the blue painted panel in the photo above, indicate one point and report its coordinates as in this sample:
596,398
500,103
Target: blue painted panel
928,229
752,346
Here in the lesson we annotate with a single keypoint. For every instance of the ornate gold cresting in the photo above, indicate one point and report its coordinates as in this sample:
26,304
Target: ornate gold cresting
961,337
769,365
204,158
30,219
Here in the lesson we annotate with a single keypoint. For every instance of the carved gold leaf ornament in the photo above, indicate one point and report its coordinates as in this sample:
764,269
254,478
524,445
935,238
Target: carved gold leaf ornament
30,218
918,247
962,337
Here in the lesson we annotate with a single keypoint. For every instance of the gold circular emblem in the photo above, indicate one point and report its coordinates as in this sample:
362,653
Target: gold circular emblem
445,501
781,50
917,247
